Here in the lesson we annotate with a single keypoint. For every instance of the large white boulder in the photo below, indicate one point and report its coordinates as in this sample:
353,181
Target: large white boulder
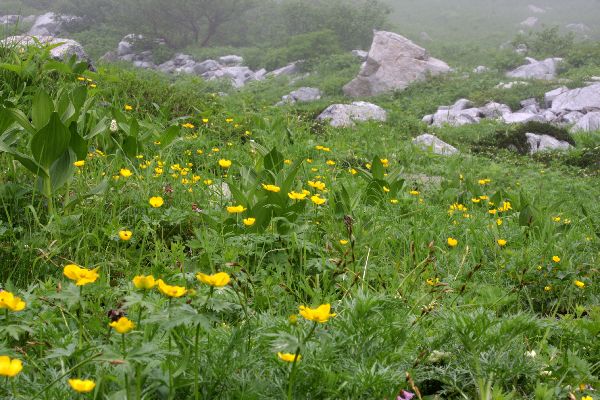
588,123
539,143
522,118
429,142
51,24
584,99
345,115
545,70
393,63
553,94
65,48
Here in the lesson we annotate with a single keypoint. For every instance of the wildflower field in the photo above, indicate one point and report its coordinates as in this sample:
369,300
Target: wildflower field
160,241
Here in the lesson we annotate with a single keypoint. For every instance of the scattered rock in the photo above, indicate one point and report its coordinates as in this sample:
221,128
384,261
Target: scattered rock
10,19
302,95
429,142
553,94
535,9
231,60
545,69
571,118
521,118
530,22
539,143
480,69
345,115
578,28
460,113
392,64
290,69
588,123
584,99
360,54
51,24
64,50
494,110
238,76
510,85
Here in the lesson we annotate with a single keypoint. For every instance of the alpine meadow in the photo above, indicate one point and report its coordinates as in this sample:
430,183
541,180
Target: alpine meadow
299,199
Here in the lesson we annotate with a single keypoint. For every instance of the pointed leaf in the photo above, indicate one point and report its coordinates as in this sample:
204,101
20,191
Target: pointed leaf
41,109
49,143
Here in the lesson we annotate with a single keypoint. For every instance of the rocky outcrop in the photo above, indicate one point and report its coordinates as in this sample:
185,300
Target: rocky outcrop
588,123
301,95
429,142
16,19
393,63
460,113
290,69
65,48
360,54
584,100
539,143
545,70
345,115
51,24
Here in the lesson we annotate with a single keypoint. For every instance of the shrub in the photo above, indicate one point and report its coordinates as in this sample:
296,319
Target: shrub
546,43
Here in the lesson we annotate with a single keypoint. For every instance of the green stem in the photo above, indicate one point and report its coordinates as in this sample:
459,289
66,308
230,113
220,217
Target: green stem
169,363
197,366
139,316
292,376
47,183
123,345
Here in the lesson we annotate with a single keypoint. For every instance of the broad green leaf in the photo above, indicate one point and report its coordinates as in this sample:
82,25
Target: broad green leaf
25,160
22,120
377,169
49,143
77,143
274,161
41,109
131,146
169,136
6,119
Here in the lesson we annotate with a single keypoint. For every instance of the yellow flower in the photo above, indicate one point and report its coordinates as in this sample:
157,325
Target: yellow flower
171,291
433,282
501,242
476,200
80,78
223,163
587,398
188,125
320,314
298,196
156,201
144,282
414,192
556,219
205,120
394,201
318,200
343,242
385,162
236,209
125,235
208,182
556,259
81,276
271,188
229,120
386,189
579,284
128,107
11,302
492,212
10,368
330,163
219,279
499,221
484,181
317,185
125,173
353,171
82,386
506,206
249,221
452,242
287,162
547,288
79,163
123,325
289,357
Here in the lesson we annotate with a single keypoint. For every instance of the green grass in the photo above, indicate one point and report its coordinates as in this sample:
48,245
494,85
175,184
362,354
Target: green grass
459,320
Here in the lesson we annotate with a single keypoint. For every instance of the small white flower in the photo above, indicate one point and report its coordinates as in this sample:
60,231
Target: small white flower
113,126
531,354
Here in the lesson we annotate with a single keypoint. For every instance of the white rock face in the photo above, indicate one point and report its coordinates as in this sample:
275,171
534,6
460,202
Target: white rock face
553,94
231,60
345,115
429,142
50,24
66,49
521,118
545,70
584,99
460,113
530,22
392,64
494,110
588,123
301,95
539,143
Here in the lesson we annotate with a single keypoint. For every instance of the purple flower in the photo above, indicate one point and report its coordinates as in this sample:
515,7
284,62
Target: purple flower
404,395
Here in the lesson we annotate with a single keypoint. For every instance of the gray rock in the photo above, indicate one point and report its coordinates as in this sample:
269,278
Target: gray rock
572,117
494,110
460,113
260,74
480,69
539,143
126,45
510,85
231,60
428,119
535,9
360,54
392,64
530,22
345,115
549,116
429,142
205,66
551,95
301,95
10,19
521,118
545,69
51,24
578,28
238,76
590,122
65,49
584,99
290,69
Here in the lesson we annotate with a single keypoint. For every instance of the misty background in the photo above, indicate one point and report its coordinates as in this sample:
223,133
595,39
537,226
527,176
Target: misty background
271,33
